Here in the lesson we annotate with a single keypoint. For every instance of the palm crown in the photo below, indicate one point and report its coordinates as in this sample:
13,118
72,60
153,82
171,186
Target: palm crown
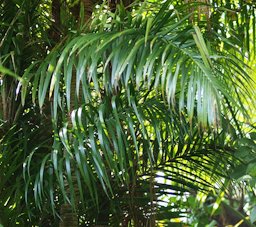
131,108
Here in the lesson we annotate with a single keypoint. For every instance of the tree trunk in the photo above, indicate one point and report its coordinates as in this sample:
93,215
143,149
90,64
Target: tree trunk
69,218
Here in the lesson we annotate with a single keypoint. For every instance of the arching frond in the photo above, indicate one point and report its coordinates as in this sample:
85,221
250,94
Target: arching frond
164,54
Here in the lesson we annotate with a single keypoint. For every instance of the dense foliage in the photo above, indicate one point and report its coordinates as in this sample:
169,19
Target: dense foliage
131,114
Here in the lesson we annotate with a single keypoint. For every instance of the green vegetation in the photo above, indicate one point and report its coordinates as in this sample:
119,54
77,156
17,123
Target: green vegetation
127,114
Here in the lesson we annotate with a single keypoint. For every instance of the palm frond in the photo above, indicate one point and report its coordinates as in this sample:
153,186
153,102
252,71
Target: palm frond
138,103
184,69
